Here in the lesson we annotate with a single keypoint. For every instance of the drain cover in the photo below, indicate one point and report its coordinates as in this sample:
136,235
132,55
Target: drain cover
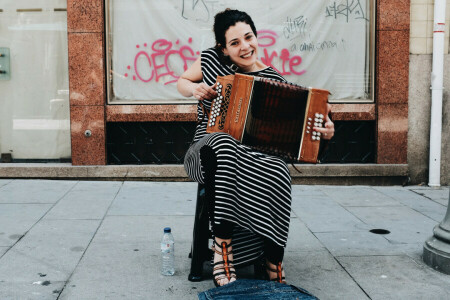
380,231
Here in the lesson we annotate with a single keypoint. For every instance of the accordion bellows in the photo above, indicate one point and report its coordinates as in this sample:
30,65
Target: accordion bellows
270,116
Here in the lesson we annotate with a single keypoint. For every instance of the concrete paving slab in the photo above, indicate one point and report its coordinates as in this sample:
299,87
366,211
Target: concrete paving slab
25,211
440,195
322,214
123,261
35,191
51,247
320,274
358,196
4,182
301,239
405,224
87,200
307,190
17,219
13,229
357,243
421,204
39,290
3,250
396,277
155,198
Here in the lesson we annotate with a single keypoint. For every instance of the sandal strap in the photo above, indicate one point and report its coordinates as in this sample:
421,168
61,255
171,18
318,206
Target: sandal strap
279,271
226,263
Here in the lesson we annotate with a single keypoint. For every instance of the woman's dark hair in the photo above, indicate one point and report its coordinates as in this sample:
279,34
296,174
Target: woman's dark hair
226,19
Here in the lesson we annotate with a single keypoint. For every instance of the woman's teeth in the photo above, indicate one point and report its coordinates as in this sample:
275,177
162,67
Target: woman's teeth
247,55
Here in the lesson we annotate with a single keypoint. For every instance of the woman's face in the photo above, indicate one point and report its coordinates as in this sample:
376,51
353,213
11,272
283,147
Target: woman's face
241,46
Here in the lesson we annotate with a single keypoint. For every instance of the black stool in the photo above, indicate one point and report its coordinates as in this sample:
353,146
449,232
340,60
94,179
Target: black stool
200,251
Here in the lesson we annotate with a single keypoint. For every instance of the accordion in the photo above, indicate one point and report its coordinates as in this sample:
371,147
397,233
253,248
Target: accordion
269,116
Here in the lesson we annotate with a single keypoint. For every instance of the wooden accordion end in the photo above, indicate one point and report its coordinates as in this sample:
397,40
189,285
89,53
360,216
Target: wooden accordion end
269,116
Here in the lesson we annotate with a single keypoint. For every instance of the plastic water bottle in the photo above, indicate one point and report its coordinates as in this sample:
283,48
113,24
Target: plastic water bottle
167,253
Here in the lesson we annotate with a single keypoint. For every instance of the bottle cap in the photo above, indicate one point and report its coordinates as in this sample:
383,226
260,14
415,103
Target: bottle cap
167,230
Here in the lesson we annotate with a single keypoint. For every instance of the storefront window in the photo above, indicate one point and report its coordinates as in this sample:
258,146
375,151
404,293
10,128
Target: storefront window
34,91
323,44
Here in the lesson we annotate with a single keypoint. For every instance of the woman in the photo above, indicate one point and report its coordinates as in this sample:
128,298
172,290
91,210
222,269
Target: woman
250,191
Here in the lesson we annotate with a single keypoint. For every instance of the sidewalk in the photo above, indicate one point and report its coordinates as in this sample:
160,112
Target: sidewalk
100,240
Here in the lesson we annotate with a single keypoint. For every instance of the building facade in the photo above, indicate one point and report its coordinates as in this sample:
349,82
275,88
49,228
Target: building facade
92,82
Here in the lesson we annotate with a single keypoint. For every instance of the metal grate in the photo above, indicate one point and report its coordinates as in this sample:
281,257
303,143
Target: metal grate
353,142
167,142
148,142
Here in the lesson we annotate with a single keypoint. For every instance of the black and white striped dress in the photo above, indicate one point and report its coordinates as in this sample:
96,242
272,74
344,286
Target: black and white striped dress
252,190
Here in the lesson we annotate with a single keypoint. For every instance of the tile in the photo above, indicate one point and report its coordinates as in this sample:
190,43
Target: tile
151,113
85,16
418,29
392,134
88,200
393,15
35,191
419,12
123,259
3,250
357,243
396,277
405,224
51,247
418,45
353,112
17,219
358,196
320,274
301,239
39,290
306,190
4,182
392,67
86,69
88,150
322,214
154,198
440,195
12,229
414,200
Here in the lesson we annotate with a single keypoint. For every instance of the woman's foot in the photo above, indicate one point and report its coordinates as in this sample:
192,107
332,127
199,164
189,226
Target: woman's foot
223,271
275,272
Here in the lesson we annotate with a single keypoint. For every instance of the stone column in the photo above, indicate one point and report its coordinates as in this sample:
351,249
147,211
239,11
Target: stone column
436,251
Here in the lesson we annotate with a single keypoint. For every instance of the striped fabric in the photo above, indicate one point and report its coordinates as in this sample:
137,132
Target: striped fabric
252,190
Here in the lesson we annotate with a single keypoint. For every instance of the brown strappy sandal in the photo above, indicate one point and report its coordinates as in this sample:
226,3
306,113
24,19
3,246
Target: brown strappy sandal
279,270
225,266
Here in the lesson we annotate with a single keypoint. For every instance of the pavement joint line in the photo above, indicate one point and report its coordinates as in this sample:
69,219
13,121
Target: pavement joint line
422,195
92,238
343,268
42,217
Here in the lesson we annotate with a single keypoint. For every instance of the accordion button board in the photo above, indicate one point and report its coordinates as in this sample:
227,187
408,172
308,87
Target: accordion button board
270,116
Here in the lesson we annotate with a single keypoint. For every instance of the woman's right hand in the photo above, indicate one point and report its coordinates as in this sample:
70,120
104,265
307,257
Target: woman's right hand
204,92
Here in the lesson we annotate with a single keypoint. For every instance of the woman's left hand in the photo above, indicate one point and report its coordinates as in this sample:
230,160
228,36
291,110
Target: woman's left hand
327,131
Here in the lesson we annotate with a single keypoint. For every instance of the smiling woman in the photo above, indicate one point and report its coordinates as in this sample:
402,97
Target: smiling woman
249,193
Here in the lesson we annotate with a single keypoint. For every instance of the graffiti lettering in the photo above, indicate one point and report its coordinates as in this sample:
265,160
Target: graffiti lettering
285,56
351,8
165,59
162,51
295,27
317,46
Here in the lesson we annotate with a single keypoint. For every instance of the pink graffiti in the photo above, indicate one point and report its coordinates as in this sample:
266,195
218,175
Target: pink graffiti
162,50
285,56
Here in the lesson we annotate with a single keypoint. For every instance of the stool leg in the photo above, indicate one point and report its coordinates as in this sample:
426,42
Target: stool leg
200,237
